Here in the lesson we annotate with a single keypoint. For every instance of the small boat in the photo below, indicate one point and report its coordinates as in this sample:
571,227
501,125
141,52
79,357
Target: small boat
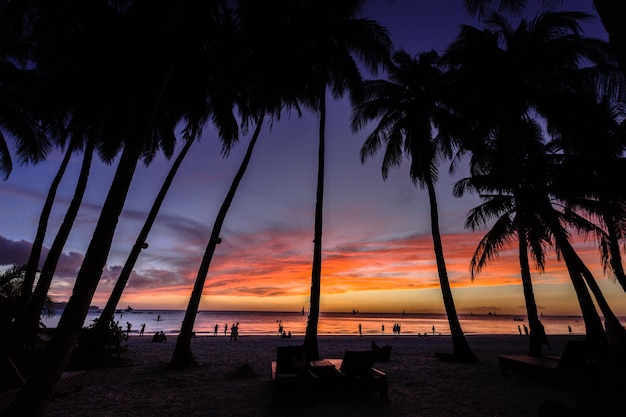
129,308
518,318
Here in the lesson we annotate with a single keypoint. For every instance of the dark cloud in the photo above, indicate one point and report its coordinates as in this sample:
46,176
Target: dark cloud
14,252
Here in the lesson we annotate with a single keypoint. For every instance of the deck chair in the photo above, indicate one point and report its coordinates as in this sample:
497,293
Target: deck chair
575,360
291,375
359,375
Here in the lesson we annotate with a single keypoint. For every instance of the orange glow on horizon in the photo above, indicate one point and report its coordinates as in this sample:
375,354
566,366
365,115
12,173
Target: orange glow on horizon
386,276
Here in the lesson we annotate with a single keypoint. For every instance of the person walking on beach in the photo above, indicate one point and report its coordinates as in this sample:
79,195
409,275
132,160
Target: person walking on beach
360,330
128,326
569,329
225,328
143,328
215,330
525,330
519,329
232,332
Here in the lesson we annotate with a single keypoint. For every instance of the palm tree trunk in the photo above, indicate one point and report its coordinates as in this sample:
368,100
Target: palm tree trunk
182,352
109,310
35,252
310,337
615,252
461,349
34,396
615,332
537,331
47,271
593,325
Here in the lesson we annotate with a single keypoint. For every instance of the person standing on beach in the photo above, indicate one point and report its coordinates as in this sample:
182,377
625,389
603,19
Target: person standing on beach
128,326
143,328
215,330
382,329
225,328
433,329
519,329
360,332
569,329
525,330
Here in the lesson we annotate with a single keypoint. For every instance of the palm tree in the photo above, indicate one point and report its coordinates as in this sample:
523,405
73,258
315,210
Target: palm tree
143,118
140,243
590,170
260,92
612,14
327,38
506,183
32,265
410,107
27,327
513,74
18,84
182,352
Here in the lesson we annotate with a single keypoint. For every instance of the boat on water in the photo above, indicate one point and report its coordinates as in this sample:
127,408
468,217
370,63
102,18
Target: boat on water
518,318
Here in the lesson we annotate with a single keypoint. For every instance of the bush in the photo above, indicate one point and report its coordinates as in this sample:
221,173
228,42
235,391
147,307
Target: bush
99,348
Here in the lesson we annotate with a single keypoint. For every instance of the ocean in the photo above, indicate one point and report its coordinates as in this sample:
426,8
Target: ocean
262,323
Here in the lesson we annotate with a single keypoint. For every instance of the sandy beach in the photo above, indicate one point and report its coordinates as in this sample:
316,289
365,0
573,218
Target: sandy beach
419,385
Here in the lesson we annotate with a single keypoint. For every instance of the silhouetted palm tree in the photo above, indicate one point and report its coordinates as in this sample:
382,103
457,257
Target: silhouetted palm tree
590,177
411,108
509,183
511,74
260,91
329,38
141,116
106,316
612,14
26,327
19,119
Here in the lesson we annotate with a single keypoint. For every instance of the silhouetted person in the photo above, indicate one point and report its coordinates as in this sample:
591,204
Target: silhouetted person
225,329
215,330
525,330
128,326
360,330
143,328
569,329
382,328
519,329
433,329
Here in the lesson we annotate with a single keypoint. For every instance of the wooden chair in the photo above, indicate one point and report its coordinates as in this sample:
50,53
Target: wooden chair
292,376
577,360
359,375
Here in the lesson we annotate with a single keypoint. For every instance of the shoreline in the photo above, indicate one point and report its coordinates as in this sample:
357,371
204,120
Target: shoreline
418,383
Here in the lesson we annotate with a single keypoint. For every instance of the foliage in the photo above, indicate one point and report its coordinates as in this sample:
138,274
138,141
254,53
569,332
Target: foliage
99,346
11,282
10,288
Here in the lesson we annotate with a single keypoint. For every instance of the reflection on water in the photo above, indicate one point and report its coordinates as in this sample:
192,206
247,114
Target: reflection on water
266,323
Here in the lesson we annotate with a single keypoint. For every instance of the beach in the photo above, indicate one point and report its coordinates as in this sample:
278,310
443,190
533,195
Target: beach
419,385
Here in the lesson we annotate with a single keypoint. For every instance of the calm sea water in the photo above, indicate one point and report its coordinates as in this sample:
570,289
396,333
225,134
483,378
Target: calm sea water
266,323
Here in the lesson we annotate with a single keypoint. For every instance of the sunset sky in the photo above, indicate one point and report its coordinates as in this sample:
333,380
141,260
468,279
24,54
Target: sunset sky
378,254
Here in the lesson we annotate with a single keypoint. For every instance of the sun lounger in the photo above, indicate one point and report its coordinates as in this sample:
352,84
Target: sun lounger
576,360
292,376
357,374
352,375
